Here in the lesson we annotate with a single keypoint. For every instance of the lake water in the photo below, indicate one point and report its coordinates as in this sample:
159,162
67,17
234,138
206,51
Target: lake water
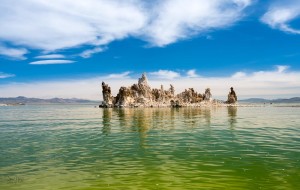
86,148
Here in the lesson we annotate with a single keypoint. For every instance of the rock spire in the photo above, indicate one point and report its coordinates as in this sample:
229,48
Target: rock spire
232,98
142,95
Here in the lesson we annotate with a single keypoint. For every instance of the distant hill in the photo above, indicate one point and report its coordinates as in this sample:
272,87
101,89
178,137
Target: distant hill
261,100
25,100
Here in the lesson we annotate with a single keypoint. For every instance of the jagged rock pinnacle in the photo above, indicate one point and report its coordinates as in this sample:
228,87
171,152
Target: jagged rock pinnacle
232,98
141,94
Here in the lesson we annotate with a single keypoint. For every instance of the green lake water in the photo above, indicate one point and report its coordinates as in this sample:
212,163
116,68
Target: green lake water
86,148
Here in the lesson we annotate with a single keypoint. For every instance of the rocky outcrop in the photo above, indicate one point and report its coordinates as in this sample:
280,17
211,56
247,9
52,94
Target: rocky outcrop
207,95
189,96
232,98
143,89
108,99
142,95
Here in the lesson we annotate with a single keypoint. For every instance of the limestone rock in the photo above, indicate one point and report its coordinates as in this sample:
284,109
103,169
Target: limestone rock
163,96
125,97
142,95
108,99
232,98
172,90
190,96
207,95
144,90
175,104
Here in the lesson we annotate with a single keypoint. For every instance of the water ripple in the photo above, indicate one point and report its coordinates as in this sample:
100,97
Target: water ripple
80,147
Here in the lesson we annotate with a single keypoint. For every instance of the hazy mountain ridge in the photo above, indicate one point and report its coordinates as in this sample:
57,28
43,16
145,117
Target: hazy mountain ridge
280,100
25,100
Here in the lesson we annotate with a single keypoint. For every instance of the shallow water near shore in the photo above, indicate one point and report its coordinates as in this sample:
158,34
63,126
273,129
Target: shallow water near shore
82,147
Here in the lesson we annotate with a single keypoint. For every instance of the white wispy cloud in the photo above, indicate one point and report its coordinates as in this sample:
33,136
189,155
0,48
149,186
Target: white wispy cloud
88,53
53,25
165,74
5,75
268,84
52,61
51,56
281,13
56,25
192,73
282,68
239,75
15,53
123,75
174,20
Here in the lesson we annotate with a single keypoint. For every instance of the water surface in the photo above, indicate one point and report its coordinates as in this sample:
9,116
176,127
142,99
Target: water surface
86,148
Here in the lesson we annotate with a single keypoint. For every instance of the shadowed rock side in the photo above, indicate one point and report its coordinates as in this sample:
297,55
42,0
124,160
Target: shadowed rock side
141,95
232,98
106,92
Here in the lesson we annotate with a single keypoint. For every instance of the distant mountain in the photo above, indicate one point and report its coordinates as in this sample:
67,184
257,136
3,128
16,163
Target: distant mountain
24,100
255,100
261,100
291,100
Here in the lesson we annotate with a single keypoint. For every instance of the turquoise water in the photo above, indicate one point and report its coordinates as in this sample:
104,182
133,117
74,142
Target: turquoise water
85,148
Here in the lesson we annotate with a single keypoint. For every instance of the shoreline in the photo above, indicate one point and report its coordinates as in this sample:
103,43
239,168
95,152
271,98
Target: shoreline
197,105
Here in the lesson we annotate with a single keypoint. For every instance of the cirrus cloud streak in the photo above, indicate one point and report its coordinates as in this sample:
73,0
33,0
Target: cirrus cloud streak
5,75
51,62
280,14
14,53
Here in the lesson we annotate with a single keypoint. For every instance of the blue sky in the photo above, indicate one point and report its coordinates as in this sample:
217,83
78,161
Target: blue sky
67,48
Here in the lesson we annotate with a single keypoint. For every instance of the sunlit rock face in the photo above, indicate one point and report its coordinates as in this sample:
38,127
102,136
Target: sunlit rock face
142,95
189,96
207,95
144,90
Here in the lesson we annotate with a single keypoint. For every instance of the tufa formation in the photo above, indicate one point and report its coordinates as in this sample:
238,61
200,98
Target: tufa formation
232,98
141,95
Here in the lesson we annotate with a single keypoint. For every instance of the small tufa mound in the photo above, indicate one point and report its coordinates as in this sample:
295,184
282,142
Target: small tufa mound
232,98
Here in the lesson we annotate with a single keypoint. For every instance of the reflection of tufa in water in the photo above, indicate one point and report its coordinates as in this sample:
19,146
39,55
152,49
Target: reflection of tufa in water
232,113
141,95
